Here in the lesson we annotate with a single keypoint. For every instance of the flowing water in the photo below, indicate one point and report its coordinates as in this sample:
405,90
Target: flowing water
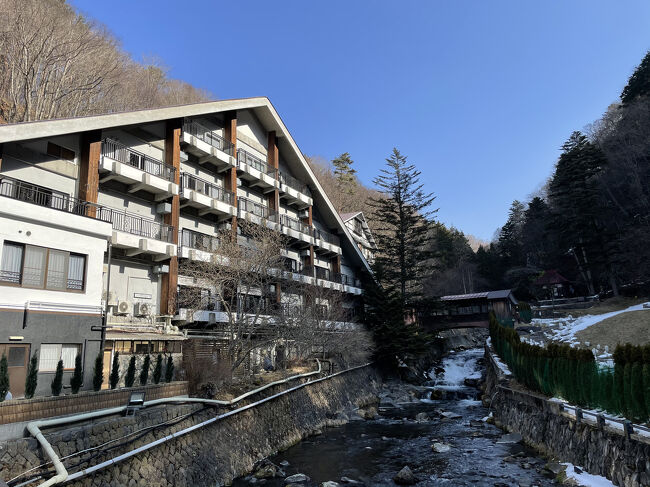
372,452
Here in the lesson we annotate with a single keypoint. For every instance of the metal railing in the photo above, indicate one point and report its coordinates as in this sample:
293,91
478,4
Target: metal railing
327,237
347,280
245,157
136,224
323,273
295,224
308,270
294,183
121,153
204,187
208,136
199,241
250,206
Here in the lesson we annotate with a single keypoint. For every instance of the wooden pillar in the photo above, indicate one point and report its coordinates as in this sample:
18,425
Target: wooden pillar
231,174
273,160
91,150
309,260
169,289
336,264
1,149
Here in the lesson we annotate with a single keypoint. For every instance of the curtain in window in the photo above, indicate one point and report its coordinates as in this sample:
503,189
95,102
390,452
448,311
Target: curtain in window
34,268
68,355
12,257
50,354
56,269
76,267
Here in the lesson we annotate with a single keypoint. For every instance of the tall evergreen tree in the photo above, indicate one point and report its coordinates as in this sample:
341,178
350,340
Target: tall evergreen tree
114,378
144,373
346,180
639,83
57,381
31,381
129,379
98,371
77,377
4,377
404,234
157,371
169,370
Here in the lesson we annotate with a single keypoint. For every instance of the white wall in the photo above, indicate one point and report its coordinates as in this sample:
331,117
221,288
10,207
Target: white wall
130,278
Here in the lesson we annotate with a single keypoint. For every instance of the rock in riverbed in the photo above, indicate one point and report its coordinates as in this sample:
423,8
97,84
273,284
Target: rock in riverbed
297,479
439,447
405,477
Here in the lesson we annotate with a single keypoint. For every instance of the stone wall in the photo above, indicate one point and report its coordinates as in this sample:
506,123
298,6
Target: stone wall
600,451
212,455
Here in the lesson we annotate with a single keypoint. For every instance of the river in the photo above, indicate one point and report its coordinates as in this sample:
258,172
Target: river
373,451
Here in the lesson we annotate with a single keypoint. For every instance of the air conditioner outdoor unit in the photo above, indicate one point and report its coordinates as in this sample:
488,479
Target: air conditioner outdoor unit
123,307
303,214
212,318
142,309
164,208
161,269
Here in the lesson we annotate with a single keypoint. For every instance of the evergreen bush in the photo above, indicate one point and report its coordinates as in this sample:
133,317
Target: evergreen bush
57,382
77,377
4,377
98,372
129,379
31,381
169,370
114,378
157,371
144,373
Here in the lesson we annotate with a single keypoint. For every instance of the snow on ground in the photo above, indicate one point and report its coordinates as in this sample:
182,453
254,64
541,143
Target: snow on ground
586,479
497,360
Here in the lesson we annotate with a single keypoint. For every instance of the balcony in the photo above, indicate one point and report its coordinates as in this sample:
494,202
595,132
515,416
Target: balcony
295,228
350,285
206,197
207,146
326,241
294,191
256,212
139,171
258,172
197,246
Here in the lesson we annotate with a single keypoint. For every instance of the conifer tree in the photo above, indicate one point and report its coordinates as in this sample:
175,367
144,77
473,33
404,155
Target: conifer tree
57,381
77,376
31,381
157,371
129,379
114,378
144,373
639,83
404,230
98,372
346,180
4,377
645,372
619,380
169,370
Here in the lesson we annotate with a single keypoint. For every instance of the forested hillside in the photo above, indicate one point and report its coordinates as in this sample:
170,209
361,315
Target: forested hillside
56,63
591,220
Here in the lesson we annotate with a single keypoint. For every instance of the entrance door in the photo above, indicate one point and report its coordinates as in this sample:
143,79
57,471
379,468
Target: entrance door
17,360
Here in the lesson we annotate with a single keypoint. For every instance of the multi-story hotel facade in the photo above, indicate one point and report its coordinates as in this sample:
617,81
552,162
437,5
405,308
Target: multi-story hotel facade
96,213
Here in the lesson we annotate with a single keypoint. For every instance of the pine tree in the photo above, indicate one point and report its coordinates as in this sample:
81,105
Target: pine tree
77,377
57,381
157,371
114,378
144,373
346,180
639,83
619,379
169,370
98,372
129,379
636,392
4,377
31,381
404,232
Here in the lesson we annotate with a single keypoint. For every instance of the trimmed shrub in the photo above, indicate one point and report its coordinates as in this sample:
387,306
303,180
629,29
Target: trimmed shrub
144,373
31,381
57,382
157,371
98,372
169,370
129,379
115,371
77,377
4,377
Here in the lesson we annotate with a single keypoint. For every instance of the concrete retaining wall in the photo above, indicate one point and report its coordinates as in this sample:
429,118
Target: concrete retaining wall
212,455
601,451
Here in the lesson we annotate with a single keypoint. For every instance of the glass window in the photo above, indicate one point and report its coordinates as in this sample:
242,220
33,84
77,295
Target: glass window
68,355
34,266
16,356
51,353
12,259
56,269
76,268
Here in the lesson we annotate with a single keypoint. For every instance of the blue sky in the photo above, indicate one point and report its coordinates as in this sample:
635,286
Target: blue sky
478,94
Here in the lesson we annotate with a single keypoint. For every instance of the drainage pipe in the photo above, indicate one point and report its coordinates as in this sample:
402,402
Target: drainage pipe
34,427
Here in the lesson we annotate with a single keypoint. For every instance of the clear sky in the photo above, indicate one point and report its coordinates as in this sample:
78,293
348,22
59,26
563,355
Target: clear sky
478,94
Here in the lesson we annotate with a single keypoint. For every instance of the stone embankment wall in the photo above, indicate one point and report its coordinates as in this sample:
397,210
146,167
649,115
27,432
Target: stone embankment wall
212,455
600,451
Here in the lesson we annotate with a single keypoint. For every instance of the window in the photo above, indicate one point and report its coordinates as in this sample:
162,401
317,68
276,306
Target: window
59,152
40,267
51,353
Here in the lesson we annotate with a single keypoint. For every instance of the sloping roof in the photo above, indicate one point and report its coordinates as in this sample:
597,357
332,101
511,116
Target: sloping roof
264,110
364,224
126,335
458,297
550,277
349,216
501,294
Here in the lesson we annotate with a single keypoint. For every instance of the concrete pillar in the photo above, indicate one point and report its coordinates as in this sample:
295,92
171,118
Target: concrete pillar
91,150
169,285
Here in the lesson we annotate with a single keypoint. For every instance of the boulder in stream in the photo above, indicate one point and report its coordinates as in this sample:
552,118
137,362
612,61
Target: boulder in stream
440,447
405,477
422,417
297,479
330,483
348,480
265,471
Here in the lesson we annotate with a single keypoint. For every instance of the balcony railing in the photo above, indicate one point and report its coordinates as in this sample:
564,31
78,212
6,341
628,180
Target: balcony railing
347,280
294,183
295,224
245,157
328,237
204,187
119,152
208,136
199,241
323,273
251,206
120,219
